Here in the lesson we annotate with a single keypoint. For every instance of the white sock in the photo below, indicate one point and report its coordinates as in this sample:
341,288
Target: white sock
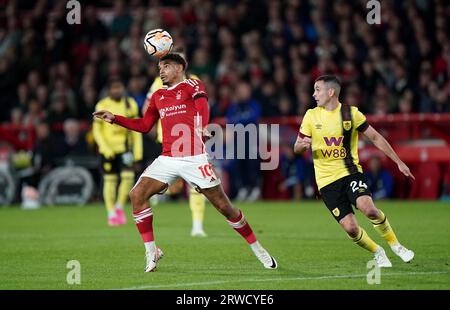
255,246
197,225
150,247
118,206
111,214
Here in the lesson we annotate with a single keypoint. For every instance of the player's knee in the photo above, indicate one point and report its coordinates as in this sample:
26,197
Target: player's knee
352,229
365,203
135,196
132,195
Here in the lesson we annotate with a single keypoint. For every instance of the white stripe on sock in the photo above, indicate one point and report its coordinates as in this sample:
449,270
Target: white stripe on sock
239,224
143,211
139,219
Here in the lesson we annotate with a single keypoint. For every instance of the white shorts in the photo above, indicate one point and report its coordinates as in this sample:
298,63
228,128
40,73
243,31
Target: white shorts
196,170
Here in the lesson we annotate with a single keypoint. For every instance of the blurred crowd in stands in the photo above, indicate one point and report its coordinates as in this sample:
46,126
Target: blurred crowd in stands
256,58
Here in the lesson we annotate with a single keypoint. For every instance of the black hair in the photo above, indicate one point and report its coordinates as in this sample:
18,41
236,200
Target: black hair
328,78
331,81
175,57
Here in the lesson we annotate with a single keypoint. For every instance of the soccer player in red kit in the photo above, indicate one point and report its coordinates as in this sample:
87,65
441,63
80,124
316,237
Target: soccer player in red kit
182,106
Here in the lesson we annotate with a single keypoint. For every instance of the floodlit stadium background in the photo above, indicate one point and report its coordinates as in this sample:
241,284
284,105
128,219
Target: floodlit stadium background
257,57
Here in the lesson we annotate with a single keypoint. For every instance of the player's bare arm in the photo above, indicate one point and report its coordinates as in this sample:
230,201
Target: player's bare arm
380,142
302,144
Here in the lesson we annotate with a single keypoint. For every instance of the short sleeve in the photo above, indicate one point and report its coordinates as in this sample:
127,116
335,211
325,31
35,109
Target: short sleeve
359,120
197,89
305,127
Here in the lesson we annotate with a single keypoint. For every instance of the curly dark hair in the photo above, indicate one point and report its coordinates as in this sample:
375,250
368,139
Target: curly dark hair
176,57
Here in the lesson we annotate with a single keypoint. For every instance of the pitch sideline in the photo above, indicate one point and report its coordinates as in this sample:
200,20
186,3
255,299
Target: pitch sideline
330,277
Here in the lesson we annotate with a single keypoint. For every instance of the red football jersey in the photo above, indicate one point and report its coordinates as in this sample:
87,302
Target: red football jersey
183,110
180,117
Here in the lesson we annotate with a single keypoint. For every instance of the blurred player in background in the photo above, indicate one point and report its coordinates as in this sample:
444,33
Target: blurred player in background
181,104
331,131
196,200
119,149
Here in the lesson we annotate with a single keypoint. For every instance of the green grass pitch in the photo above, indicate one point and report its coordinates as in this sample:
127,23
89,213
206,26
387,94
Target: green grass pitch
312,250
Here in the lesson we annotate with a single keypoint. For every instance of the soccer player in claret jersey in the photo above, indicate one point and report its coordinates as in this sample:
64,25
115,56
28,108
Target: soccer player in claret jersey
197,201
182,107
331,131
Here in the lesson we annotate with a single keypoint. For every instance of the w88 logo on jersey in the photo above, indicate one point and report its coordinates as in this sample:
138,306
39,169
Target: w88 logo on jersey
334,153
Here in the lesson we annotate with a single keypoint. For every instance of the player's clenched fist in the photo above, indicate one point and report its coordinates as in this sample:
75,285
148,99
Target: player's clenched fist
104,115
302,144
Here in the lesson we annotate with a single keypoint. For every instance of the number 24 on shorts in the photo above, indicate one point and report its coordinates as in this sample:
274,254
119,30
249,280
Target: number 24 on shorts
355,186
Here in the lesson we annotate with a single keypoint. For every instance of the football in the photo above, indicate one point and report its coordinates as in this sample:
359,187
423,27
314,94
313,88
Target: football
158,42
